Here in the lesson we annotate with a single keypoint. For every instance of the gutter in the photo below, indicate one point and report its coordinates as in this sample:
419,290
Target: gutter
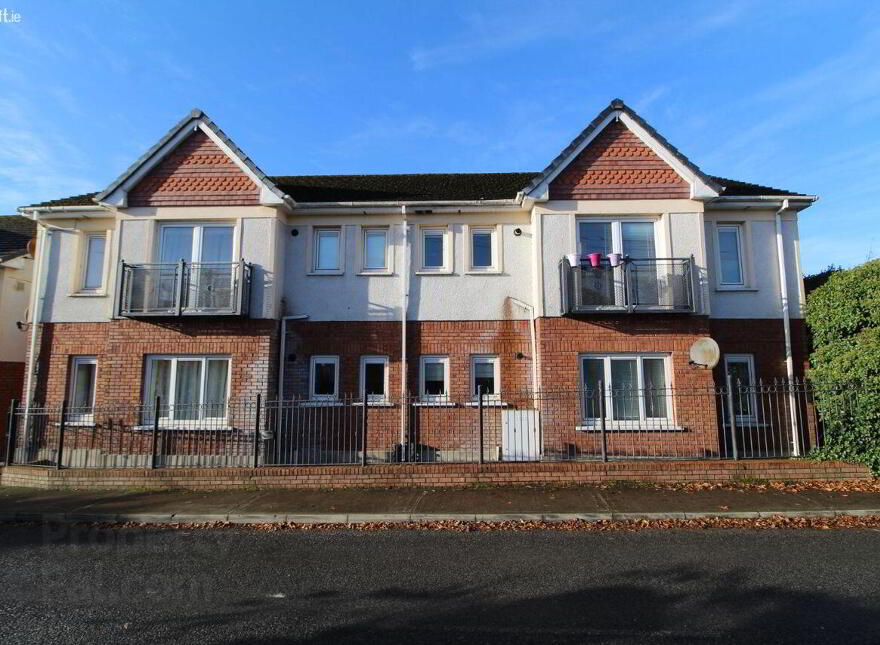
786,323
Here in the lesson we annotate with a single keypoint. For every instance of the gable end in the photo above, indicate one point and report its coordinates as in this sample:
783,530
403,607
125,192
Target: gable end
196,173
618,165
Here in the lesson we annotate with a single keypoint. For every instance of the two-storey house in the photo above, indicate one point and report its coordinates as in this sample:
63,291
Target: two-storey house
196,278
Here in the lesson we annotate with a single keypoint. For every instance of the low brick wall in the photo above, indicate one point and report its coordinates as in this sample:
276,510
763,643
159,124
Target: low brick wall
433,475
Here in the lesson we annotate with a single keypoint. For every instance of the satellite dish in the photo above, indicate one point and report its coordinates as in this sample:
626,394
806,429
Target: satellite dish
705,351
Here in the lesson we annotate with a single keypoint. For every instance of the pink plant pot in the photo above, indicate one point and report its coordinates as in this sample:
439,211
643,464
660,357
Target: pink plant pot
595,259
614,259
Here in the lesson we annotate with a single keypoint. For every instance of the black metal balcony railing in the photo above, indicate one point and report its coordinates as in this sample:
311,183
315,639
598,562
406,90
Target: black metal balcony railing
184,289
660,285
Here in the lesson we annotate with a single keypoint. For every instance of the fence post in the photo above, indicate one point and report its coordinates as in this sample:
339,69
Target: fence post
155,433
60,454
257,431
364,430
10,433
732,416
601,392
480,408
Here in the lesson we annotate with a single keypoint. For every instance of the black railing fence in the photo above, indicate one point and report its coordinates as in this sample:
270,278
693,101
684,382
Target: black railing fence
768,419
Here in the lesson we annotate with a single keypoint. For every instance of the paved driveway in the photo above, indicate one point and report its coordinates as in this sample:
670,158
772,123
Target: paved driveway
71,584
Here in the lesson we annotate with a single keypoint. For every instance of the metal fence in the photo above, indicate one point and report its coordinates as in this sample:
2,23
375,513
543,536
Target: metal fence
768,419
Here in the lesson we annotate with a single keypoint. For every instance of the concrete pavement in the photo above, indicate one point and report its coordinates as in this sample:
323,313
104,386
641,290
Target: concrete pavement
373,505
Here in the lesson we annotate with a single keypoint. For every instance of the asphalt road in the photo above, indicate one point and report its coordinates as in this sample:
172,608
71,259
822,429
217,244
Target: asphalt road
240,586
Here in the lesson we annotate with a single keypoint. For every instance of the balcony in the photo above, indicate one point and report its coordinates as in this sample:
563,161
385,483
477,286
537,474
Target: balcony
656,285
184,289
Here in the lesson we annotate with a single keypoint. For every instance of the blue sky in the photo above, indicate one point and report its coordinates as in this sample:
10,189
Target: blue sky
784,94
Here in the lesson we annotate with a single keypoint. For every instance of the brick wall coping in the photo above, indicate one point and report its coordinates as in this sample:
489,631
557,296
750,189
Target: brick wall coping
403,475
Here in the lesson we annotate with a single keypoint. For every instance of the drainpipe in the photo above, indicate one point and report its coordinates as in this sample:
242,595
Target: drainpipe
786,324
405,270
534,343
37,299
282,351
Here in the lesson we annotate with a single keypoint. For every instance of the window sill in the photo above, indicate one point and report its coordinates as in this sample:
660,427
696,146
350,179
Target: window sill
316,273
183,427
434,404
384,274
376,404
483,272
591,428
329,403
736,289
487,404
77,424
429,272
88,294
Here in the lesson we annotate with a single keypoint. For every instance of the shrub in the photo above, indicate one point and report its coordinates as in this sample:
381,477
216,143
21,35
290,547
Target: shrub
844,319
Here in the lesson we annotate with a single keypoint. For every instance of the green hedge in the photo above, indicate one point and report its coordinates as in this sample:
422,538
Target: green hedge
844,319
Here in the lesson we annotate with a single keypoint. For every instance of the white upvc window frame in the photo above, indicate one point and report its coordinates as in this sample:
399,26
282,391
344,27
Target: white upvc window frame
388,269
374,360
198,231
495,360
79,416
494,232
742,234
434,358
324,359
749,360
445,234
87,239
617,230
166,412
312,257
643,422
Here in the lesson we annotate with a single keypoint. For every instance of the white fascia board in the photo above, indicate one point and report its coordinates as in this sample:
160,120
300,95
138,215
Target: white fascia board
768,202
380,208
119,197
542,191
700,190
267,196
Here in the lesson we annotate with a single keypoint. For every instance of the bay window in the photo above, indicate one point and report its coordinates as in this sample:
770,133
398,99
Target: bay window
633,388
191,388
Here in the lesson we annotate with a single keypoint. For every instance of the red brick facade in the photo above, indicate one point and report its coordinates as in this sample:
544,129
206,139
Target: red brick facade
197,173
618,165
763,338
437,475
11,385
121,348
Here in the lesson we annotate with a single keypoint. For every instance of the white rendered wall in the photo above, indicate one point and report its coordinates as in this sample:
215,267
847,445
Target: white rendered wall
15,289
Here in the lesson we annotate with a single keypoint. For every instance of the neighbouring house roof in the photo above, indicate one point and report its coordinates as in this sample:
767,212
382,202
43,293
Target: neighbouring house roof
15,233
424,187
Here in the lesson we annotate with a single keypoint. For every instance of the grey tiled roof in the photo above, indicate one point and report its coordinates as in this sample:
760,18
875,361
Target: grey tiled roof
15,233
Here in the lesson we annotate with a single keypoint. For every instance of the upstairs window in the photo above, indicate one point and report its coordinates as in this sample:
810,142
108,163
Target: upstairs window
327,254
93,263
730,255
435,250
375,249
484,249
